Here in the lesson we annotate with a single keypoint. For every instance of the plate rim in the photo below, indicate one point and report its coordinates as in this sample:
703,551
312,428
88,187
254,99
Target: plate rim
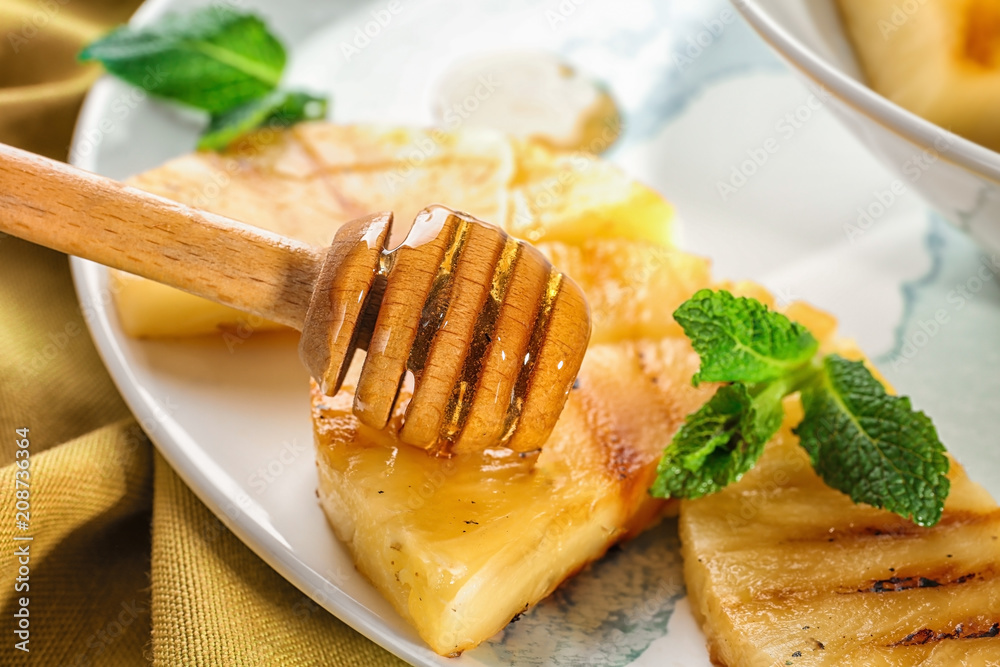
978,159
89,280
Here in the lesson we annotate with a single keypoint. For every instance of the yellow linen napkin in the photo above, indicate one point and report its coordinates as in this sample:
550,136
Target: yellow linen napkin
124,565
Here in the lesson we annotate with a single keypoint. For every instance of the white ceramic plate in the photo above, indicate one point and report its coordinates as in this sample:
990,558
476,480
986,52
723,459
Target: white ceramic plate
706,105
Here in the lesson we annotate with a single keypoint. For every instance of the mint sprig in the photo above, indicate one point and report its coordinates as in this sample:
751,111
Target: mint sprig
872,446
280,108
862,441
718,443
214,58
739,339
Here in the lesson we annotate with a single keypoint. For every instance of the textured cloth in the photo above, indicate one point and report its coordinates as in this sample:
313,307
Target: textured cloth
126,565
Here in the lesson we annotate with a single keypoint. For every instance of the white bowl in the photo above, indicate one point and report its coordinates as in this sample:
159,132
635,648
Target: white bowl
959,178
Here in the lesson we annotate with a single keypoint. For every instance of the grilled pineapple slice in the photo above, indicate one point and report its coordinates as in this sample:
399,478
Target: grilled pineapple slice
304,183
460,546
633,287
307,181
938,58
572,197
783,570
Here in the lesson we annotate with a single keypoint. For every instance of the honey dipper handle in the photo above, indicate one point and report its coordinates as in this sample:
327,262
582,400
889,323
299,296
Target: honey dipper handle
79,213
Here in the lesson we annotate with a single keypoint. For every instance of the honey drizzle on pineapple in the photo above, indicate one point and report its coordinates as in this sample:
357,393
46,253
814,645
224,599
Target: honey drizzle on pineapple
433,320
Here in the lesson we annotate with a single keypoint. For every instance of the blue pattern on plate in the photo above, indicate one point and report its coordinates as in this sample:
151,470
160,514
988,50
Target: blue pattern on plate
606,616
911,290
946,344
675,77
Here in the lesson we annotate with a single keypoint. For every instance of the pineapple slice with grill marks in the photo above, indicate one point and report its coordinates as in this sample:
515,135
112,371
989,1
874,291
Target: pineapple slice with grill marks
460,546
308,180
633,287
782,569
305,182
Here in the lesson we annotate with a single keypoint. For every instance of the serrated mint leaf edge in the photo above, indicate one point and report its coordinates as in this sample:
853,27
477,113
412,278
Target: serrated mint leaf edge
768,396
905,509
709,370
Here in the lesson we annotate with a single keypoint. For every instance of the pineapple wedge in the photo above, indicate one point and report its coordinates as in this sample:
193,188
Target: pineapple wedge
305,183
633,287
783,570
308,180
571,197
461,545
939,59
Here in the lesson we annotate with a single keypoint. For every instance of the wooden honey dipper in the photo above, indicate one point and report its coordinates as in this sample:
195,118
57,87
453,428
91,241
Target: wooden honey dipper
492,334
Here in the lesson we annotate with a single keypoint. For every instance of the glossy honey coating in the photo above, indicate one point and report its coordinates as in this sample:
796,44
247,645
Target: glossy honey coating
491,333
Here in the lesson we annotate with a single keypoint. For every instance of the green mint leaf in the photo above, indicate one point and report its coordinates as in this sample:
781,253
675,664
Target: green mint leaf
720,442
280,108
213,58
740,340
872,446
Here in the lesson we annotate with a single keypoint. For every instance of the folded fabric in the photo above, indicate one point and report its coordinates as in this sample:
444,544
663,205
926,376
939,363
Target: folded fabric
124,565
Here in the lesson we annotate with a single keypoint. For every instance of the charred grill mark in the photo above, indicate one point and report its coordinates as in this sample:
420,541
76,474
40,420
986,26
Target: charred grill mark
350,207
891,527
942,576
972,630
621,457
898,527
629,455
899,584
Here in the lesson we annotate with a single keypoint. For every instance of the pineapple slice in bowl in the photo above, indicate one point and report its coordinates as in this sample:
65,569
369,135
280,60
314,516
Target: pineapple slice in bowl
930,57
939,59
